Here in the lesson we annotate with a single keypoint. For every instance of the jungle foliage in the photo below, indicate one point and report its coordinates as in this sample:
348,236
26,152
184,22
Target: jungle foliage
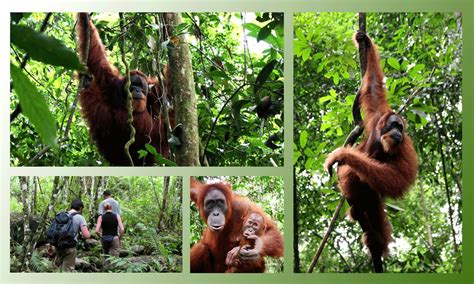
237,61
151,215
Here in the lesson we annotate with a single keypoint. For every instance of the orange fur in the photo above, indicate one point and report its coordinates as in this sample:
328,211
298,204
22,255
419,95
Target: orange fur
378,167
209,254
103,103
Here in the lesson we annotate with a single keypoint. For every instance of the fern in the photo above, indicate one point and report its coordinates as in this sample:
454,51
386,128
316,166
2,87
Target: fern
39,263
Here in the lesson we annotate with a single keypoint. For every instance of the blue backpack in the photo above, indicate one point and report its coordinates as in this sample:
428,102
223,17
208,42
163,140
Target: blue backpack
61,232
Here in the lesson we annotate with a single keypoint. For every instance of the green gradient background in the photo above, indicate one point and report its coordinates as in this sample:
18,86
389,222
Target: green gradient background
287,6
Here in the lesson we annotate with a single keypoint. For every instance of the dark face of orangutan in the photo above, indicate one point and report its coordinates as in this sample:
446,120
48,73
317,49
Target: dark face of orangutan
215,207
391,134
139,89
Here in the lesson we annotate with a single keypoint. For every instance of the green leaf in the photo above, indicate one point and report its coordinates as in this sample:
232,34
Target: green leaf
335,78
44,48
306,54
299,46
325,99
142,154
296,156
264,33
417,67
181,28
413,72
394,63
303,138
251,27
309,163
219,73
263,75
151,149
160,160
34,106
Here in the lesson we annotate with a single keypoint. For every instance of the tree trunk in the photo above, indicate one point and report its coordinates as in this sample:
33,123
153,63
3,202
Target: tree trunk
166,185
179,198
89,196
82,187
34,194
93,213
155,193
25,252
184,97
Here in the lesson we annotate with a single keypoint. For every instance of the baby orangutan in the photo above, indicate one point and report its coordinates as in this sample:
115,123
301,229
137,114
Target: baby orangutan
252,229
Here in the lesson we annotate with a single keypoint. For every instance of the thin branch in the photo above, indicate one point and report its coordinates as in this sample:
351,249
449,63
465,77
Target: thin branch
326,235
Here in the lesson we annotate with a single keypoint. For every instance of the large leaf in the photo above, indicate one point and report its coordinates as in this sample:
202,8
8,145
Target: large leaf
303,138
264,33
34,106
263,75
394,63
44,48
160,160
252,28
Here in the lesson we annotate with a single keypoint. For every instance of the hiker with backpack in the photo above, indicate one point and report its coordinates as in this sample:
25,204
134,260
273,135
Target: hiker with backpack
110,229
63,235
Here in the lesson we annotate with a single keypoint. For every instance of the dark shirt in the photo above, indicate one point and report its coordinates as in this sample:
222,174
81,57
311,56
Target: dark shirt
109,224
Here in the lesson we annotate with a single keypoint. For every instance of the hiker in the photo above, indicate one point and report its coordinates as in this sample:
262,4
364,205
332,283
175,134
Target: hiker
109,199
110,229
63,234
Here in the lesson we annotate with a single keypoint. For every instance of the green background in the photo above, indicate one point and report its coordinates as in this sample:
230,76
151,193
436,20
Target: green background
288,7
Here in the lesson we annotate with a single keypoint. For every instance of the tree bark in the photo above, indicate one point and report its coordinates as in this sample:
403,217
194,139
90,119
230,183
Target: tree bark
166,185
89,196
155,193
179,188
184,97
34,194
82,187
26,251
93,213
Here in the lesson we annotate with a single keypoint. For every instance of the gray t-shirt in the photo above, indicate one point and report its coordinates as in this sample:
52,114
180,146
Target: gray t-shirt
78,221
115,206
